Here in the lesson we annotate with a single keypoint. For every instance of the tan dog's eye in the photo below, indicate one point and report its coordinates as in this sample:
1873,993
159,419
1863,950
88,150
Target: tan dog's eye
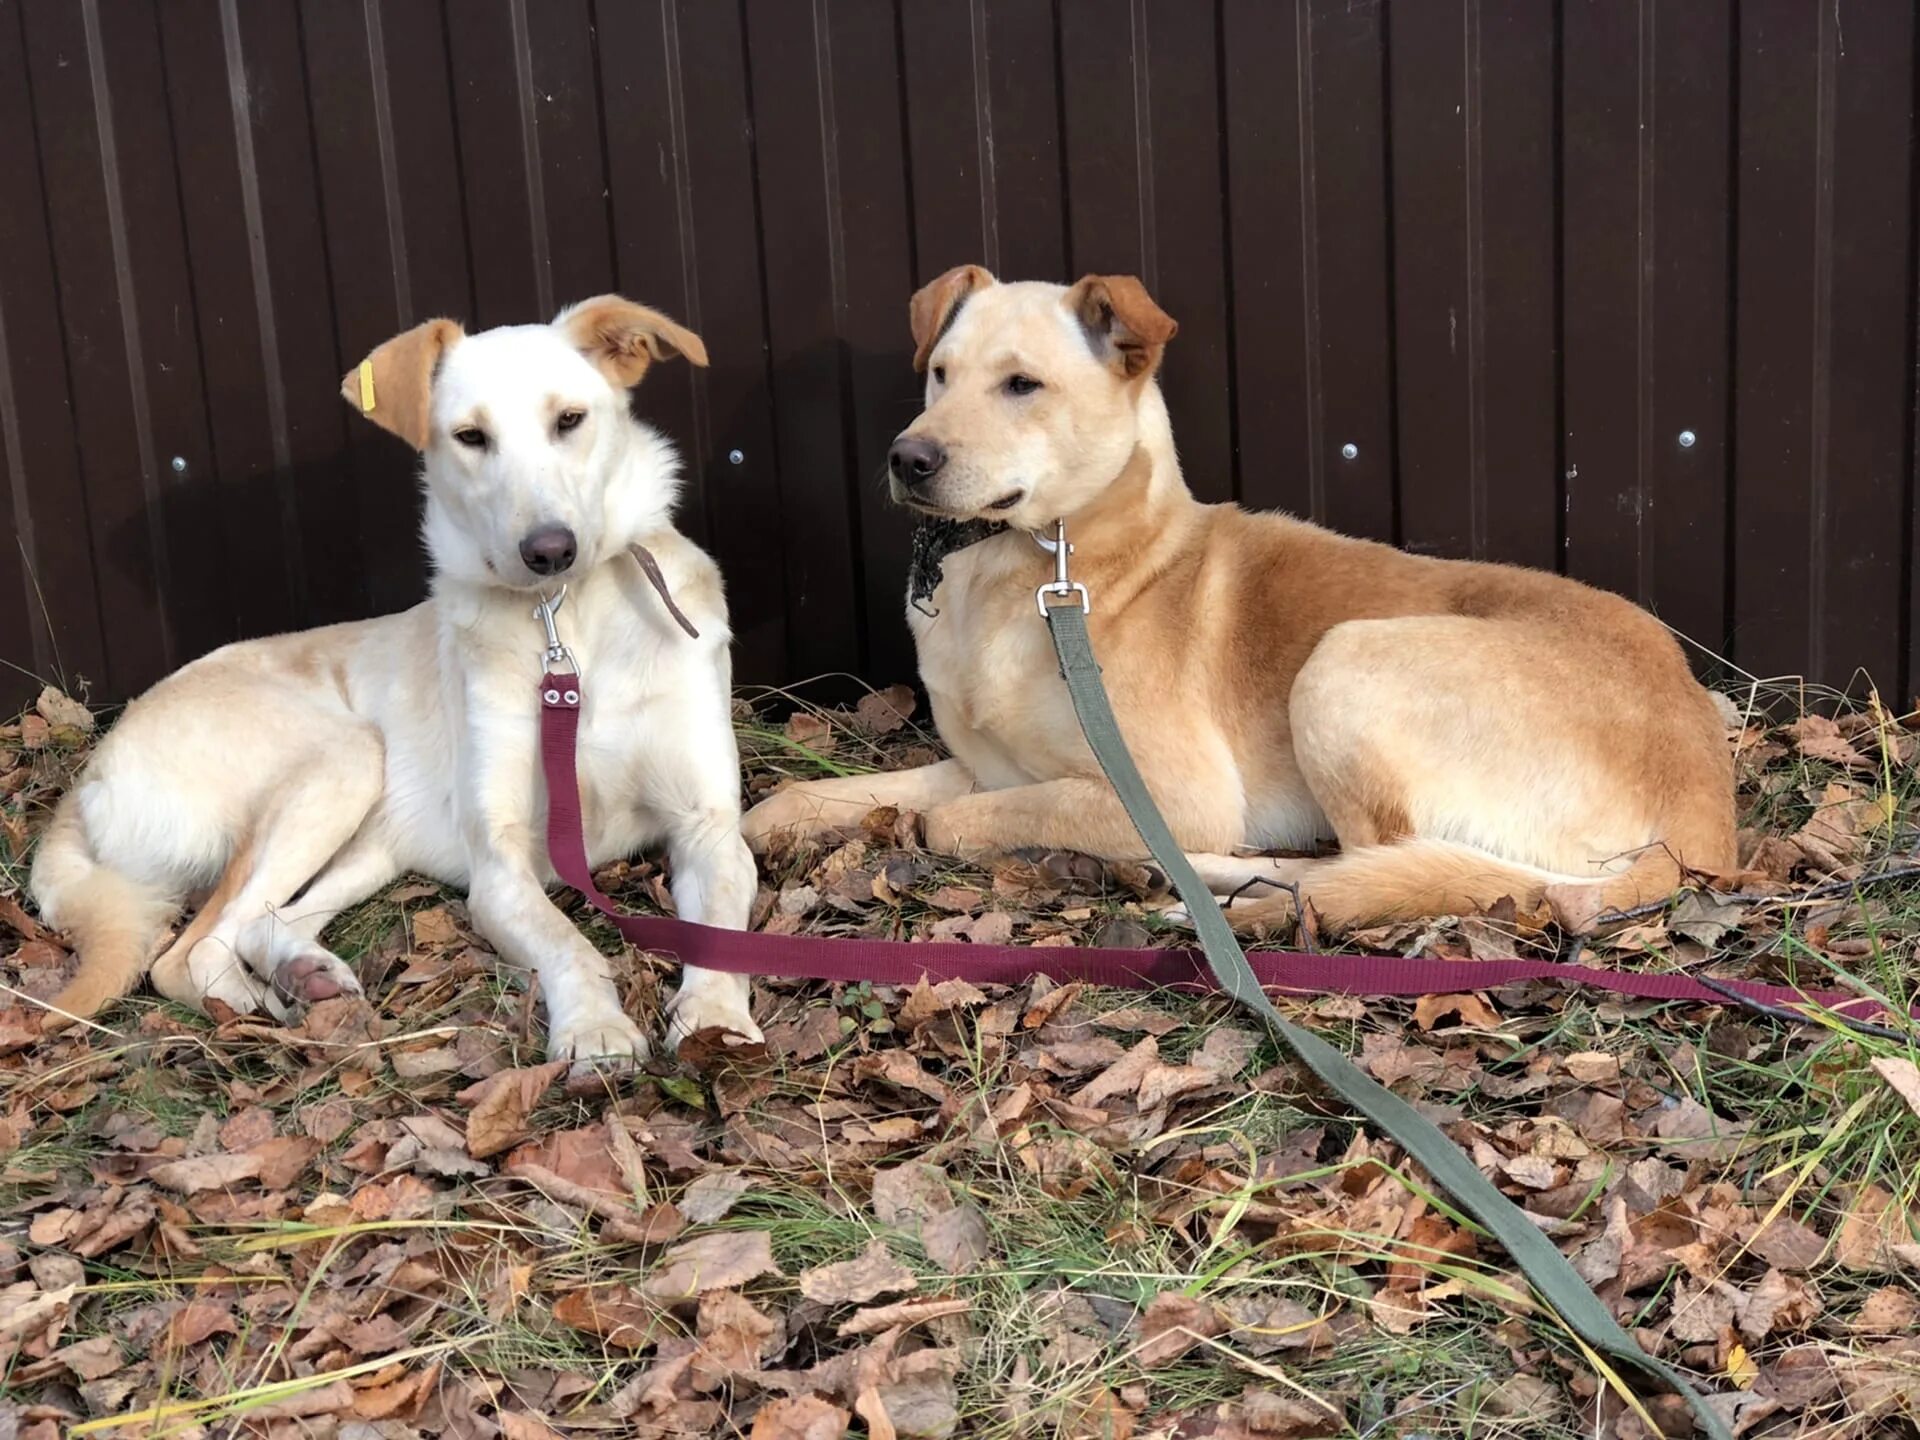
939,374
569,419
472,436
1022,385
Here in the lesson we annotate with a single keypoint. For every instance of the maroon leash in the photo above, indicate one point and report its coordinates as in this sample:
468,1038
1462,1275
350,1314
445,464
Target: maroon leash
899,962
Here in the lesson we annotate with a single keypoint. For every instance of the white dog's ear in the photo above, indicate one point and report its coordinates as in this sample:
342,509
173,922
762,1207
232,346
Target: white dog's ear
393,387
935,306
623,338
1121,322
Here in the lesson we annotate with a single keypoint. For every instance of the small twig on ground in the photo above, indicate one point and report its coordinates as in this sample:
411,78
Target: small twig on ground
1796,1017
1823,891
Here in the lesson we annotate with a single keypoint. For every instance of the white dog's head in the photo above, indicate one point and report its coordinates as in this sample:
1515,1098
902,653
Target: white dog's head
1034,395
533,464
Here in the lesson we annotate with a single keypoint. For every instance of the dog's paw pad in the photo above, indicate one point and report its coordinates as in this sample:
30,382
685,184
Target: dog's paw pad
314,975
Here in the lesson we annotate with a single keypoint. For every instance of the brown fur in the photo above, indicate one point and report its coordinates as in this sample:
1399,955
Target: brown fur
1467,731
624,339
402,379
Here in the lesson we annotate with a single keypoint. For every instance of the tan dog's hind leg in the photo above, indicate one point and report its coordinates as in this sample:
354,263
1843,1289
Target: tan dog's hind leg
813,806
1457,766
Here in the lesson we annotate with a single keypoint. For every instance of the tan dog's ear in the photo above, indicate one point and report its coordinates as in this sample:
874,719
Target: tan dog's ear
393,387
1120,318
934,307
623,338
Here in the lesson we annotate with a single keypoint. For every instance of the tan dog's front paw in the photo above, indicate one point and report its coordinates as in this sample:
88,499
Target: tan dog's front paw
1270,914
785,812
954,829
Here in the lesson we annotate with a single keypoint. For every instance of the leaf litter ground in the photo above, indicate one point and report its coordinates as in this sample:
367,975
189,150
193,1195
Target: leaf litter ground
1050,1211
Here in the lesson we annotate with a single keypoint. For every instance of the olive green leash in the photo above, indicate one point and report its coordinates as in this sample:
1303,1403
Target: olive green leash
1065,604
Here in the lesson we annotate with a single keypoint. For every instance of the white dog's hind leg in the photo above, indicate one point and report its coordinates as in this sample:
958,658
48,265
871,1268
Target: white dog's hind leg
713,884
322,802
283,944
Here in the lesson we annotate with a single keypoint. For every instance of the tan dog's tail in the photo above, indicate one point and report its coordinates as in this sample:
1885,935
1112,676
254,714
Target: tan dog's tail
113,921
1414,879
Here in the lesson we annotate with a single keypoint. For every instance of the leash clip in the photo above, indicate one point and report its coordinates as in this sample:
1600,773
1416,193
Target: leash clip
556,653
1060,584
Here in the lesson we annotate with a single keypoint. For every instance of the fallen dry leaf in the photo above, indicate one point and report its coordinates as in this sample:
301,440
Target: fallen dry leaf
1172,1325
59,710
956,1240
902,1313
734,1334
1903,1075
1874,1226
205,1172
722,1260
498,1107
1887,1311
617,1314
402,1399
1819,738
712,1195
1470,1010
852,1282
1593,1067
25,1309
803,1417
906,1196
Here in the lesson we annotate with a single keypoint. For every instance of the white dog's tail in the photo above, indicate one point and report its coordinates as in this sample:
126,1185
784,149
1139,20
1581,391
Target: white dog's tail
113,921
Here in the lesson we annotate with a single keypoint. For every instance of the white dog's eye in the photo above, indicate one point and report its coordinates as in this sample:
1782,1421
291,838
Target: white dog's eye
939,374
569,419
1022,385
472,436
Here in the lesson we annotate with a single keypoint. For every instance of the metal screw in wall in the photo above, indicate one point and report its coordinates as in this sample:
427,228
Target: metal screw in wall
1349,451
1687,439
736,457
179,464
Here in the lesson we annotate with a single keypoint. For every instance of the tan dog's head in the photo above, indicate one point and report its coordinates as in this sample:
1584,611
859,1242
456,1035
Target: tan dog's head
1033,394
534,465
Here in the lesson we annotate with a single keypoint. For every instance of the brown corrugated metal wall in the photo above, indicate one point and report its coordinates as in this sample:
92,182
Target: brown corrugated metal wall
1625,289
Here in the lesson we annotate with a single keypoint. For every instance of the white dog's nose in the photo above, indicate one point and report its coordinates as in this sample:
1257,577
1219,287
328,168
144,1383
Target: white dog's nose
548,550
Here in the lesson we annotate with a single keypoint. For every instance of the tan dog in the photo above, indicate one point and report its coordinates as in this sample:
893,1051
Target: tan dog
1466,731
304,772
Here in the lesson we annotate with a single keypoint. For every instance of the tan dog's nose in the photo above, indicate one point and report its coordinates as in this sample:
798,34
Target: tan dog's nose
913,461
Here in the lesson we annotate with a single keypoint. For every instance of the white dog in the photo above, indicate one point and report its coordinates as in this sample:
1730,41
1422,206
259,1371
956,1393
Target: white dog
299,774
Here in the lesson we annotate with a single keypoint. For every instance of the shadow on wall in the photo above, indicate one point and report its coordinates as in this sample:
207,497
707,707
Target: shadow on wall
261,553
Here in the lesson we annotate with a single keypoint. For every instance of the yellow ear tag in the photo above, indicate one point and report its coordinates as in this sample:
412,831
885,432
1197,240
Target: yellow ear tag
366,386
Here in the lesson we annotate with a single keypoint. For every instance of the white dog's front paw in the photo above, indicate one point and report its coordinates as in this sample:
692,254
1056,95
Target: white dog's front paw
717,1002
597,1039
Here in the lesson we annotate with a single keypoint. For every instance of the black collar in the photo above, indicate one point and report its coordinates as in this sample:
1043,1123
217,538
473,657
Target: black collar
934,539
